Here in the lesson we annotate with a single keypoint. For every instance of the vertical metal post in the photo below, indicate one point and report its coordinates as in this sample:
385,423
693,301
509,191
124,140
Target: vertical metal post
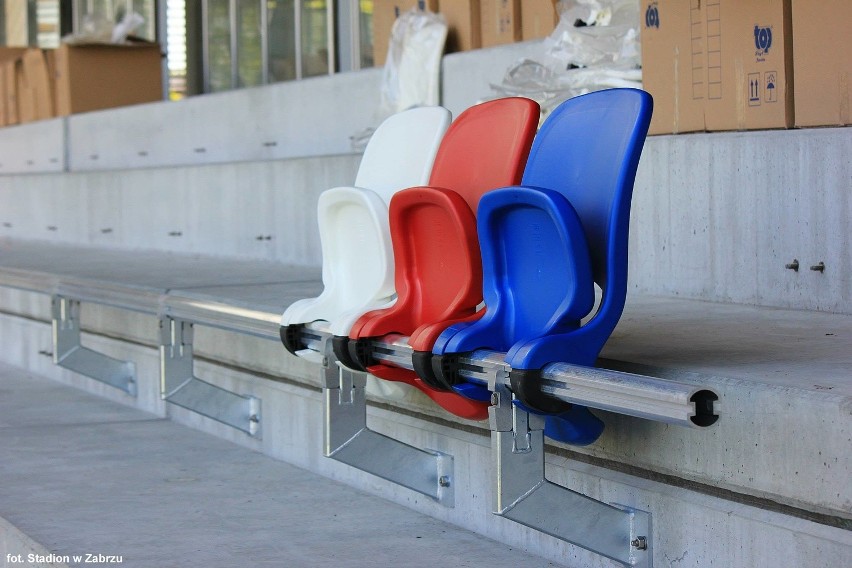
329,20
205,45
235,44
297,6
264,42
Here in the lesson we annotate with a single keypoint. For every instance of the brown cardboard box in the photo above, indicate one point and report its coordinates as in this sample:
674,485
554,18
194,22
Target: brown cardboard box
673,67
39,84
384,15
8,85
739,64
501,22
93,77
463,24
27,110
538,18
10,92
749,64
822,61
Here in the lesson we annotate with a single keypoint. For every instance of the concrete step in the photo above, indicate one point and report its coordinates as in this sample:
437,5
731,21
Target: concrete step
81,475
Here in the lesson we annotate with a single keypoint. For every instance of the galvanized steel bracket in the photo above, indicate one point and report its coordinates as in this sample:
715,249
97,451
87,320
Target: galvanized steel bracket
522,494
178,384
347,438
70,354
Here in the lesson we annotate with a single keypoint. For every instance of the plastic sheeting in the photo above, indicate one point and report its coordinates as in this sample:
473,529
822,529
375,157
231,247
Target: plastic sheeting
595,46
411,76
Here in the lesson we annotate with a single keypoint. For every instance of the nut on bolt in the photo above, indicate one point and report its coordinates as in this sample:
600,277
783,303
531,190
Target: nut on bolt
639,543
444,481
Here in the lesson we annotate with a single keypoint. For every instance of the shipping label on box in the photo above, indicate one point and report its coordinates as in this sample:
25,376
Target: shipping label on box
501,22
822,62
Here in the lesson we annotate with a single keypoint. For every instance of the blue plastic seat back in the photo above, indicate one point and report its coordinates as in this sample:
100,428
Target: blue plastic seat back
546,242
588,150
536,263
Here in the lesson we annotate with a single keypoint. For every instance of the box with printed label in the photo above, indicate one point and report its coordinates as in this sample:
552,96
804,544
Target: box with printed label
749,64
464,30
385,13
538,18
501,22
718,65
822,62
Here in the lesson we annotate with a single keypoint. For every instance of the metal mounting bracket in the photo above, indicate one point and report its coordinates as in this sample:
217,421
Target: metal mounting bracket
69,354
178,384
523,495
348,439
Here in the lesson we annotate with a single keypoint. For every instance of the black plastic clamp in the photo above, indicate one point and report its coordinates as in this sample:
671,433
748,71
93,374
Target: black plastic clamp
526,384
290,337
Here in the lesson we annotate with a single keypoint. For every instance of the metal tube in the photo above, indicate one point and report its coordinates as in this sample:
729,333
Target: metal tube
642,396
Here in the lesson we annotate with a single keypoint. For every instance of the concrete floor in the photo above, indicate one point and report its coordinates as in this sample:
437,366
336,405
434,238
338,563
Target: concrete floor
79,474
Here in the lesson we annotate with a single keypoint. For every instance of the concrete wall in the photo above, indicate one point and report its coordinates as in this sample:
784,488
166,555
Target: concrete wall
715,216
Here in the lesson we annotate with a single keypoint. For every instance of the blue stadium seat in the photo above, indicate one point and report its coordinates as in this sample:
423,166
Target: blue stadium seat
546,243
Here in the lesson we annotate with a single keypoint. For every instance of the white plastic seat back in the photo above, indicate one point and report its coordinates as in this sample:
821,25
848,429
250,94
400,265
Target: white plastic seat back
401,152
357,269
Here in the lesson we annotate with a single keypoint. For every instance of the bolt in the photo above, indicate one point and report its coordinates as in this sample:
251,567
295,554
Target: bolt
820,267
495,399
639,543
793,265
444,481
254,418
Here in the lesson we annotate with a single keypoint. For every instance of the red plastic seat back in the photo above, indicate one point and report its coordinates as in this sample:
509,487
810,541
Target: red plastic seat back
433,229
486,148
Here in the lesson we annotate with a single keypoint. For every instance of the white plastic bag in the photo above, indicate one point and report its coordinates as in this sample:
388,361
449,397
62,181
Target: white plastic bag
412,71
595,46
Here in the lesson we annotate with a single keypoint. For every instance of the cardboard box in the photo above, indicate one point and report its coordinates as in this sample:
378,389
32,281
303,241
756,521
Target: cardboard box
385,13
501,22
673,66
27,111
538,18
822,62
94,77
464,29
38,85
749,52
740,64
8,85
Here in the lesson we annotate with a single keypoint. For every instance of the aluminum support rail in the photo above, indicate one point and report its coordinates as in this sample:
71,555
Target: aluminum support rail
641,396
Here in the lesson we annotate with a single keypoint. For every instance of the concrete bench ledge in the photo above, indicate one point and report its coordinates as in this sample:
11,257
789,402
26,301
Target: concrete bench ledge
783,375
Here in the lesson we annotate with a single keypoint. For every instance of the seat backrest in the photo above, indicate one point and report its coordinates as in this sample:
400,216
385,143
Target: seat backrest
485,148
476,156
402,150
588,150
